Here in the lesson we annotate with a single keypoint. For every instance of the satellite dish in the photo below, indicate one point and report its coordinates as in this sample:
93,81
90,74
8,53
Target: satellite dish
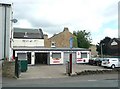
14,20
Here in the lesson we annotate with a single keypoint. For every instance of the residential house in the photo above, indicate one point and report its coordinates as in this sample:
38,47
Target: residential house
93,51
60,40
114,47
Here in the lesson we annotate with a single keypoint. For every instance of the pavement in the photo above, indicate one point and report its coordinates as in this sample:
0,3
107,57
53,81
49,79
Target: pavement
54,71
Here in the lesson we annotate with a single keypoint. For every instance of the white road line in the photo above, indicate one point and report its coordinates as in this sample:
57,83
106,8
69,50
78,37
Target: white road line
91,80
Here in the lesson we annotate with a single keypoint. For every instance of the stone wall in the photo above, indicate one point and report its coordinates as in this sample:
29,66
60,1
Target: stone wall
8,69
61,39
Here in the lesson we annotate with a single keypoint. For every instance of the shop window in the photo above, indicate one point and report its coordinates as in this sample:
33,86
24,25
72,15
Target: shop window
83,55
56,55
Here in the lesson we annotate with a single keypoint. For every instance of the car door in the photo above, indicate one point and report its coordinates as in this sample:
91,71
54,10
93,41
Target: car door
118,62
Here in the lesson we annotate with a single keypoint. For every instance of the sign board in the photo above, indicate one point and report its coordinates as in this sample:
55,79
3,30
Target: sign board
78,57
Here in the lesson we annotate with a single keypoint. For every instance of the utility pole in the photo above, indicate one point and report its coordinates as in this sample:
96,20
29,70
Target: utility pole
101,50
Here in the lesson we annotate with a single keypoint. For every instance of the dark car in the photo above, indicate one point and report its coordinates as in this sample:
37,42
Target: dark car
91,61
98,61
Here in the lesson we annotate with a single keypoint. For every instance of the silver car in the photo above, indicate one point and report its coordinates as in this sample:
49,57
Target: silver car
111,62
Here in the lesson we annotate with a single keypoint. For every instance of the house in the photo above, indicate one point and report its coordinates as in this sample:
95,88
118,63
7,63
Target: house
114,47
93,50
60,40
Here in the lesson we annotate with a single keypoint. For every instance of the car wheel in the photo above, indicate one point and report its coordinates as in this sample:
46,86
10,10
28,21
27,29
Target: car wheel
113,66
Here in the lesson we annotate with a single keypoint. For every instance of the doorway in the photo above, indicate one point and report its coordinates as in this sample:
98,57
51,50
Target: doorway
41,58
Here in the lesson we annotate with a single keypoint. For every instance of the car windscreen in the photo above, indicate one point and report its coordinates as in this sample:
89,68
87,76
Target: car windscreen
105,59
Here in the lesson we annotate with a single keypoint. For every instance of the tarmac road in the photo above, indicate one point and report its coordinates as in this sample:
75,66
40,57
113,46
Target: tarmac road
106,80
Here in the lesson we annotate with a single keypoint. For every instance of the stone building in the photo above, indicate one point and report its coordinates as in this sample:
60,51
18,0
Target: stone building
93,51
60,40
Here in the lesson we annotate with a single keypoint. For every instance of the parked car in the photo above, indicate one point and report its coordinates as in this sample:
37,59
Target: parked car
98,61
91,61
111,62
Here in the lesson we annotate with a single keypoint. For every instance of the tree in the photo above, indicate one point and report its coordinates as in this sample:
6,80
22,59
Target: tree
75,45
103,46
83,38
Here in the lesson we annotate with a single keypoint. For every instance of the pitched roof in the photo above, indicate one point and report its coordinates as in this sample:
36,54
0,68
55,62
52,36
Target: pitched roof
25,33
65,29
118,39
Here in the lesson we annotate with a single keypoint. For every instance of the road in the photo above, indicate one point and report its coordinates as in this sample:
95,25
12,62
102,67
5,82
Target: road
106,80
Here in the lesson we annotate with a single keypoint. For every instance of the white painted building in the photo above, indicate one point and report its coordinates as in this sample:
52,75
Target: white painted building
28,38
54,55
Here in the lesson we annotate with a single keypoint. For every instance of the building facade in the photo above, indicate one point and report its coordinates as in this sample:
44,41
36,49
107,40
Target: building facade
24,38
28,38
30,44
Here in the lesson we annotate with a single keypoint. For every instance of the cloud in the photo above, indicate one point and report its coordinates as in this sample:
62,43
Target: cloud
23,23
53,15
112,33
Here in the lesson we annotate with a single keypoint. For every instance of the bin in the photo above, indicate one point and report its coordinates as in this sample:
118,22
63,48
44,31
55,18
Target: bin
24,65
17,67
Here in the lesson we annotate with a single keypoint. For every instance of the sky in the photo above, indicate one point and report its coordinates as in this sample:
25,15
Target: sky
99,17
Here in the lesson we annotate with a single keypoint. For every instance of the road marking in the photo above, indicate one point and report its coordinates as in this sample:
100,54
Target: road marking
91,80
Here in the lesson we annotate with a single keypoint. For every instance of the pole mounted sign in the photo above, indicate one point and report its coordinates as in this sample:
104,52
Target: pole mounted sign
71,42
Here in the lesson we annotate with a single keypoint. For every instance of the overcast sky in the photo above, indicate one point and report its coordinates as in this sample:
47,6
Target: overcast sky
100,17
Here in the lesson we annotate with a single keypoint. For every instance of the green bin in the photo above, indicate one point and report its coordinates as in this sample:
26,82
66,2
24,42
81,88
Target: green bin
24,65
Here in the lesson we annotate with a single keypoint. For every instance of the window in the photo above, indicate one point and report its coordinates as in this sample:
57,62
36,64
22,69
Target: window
53,44
119,59
56,55
25,34
114,60
83,55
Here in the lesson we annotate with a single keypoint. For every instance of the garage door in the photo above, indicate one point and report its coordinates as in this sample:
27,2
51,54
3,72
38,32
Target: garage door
66,57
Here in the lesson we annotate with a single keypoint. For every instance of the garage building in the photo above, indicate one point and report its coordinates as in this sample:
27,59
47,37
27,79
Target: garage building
54,55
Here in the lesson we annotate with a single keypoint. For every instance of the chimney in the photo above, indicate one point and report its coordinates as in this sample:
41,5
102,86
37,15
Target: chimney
66,29
45,36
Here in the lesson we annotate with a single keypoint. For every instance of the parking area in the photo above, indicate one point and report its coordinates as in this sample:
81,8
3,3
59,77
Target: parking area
54,71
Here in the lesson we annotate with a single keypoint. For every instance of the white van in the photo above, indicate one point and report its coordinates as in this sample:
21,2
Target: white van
111,62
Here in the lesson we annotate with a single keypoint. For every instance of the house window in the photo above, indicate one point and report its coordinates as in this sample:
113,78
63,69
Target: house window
53,44
83,55
56,55
25,34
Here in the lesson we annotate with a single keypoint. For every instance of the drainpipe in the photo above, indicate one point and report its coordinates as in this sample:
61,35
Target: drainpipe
5,32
